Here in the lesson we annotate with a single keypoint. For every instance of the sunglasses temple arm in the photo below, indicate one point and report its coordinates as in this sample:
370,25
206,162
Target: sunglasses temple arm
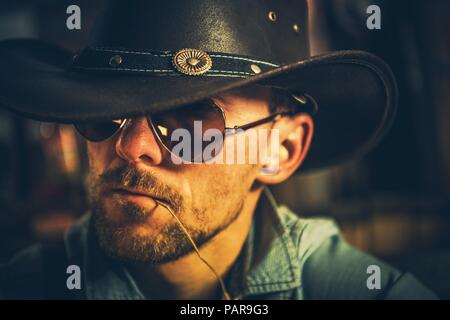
247,126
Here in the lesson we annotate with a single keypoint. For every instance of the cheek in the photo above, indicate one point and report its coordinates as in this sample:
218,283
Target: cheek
100,155
219,189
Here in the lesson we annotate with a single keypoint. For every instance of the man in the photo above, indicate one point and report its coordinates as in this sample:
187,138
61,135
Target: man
163,93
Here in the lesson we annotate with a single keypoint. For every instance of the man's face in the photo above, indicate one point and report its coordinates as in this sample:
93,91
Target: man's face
206,198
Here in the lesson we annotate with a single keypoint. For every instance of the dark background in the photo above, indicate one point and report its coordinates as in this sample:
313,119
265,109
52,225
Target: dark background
394,203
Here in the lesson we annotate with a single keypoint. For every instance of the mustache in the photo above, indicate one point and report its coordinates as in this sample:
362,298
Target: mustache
129,176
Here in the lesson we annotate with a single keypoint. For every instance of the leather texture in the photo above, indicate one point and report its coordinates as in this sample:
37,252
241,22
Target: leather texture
234,27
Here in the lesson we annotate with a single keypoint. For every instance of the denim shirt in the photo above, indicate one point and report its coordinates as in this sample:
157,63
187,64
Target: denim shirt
284,257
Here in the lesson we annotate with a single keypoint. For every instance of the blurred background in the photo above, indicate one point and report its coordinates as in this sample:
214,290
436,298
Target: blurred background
394,203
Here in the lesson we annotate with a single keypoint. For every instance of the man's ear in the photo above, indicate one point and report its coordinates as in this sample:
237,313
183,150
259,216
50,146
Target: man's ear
295,135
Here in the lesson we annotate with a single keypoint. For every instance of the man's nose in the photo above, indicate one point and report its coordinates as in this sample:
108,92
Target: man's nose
137,143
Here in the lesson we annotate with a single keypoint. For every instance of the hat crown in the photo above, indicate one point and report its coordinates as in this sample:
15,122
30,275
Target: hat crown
272,30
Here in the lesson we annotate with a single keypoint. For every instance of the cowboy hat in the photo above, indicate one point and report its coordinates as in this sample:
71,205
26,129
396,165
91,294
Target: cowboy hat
149,56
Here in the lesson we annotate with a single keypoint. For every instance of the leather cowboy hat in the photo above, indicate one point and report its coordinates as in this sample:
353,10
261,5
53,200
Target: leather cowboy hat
148,56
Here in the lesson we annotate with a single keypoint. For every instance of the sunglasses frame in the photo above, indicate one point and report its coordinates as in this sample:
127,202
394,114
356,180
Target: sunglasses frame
227,131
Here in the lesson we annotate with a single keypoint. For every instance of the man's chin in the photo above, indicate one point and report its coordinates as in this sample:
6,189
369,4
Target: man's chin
131,233
140,244
153,241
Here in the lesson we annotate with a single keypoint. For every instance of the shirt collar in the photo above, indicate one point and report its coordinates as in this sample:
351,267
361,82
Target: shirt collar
269,261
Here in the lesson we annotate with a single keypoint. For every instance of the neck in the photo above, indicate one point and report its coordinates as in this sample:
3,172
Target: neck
190,278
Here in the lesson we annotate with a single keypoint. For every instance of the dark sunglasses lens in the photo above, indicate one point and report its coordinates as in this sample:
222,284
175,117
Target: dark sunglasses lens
98,131
196,120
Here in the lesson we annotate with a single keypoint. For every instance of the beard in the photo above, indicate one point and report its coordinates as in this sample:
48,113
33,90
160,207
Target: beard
119,239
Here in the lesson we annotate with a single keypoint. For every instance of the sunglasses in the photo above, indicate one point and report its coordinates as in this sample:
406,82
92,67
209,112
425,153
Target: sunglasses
207,112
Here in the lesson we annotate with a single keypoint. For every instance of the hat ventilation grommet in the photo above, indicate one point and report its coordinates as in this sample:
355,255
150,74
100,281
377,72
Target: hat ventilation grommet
272,16
255,68
115,61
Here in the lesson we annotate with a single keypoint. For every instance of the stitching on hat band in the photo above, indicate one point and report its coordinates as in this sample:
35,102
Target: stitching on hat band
168,54
160,63
171,72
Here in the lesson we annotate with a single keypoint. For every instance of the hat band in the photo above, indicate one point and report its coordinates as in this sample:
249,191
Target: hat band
186,62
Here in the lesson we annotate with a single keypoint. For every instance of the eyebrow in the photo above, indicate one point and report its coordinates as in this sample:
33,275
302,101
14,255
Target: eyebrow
222,102
236,111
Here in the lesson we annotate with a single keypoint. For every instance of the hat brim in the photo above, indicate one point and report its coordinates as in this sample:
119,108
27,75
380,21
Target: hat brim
356,93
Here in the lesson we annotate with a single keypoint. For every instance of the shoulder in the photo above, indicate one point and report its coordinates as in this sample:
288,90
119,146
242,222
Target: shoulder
32,271
332,269
22,276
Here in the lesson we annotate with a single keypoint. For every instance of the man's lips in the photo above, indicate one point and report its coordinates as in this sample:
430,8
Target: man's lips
133,192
